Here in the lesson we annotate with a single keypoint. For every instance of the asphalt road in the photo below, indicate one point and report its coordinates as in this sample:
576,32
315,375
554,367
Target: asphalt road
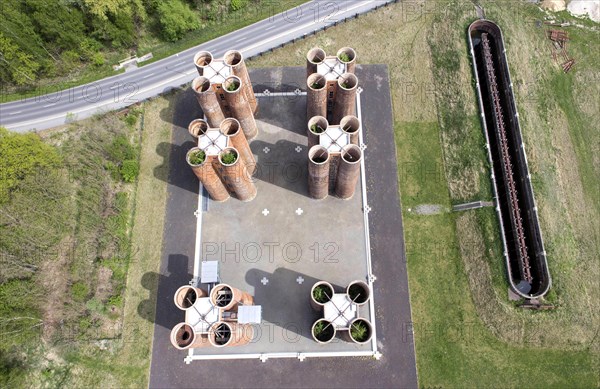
397,367
119,91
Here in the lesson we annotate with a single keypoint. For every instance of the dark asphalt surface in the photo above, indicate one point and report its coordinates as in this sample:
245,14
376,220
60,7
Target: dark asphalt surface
397,367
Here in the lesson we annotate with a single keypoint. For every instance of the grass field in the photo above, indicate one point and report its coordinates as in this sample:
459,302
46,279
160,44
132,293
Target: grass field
125,363
467,332
91,295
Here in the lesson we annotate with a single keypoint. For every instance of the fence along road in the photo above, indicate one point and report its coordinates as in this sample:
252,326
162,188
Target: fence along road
119,91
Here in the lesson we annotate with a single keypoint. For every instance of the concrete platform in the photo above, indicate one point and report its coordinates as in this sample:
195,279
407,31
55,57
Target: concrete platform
282,242
397,366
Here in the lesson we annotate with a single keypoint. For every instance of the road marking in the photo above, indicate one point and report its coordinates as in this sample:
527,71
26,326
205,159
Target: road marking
270,28
48,105
14,113
114,86
241,39
149,75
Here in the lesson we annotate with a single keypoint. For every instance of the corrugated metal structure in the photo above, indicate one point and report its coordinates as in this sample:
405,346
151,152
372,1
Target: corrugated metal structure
524,252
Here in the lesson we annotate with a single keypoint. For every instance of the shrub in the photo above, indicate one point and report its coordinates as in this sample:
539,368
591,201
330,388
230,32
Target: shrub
130,120
176,18
232,86
132,116
322,294
85,323
316,129
95,305
359,331
319,328
70,59
98,59
323,330
237,4
130,170
229,158
79,291
197,157
116,300
121,149
113,169
22,154
344,57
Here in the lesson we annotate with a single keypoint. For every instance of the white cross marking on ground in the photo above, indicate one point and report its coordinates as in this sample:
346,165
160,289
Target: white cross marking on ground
264,281
266,150
299,211
298,149
300,280
265,212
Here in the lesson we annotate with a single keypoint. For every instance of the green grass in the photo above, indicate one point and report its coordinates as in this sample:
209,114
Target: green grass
454,347
420,166
79,281
583,131
122,234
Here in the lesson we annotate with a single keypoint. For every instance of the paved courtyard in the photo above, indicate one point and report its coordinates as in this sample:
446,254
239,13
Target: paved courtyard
282,242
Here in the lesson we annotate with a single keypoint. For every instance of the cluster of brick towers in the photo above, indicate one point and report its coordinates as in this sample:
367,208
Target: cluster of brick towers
224,163
211,319
223,160
334,154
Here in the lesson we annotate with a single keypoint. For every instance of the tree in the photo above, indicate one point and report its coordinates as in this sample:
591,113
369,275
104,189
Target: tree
118,30
16,65
175,19
104,9
59,25
236,5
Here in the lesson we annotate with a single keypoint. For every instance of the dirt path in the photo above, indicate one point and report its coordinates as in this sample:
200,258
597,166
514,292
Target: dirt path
55,282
